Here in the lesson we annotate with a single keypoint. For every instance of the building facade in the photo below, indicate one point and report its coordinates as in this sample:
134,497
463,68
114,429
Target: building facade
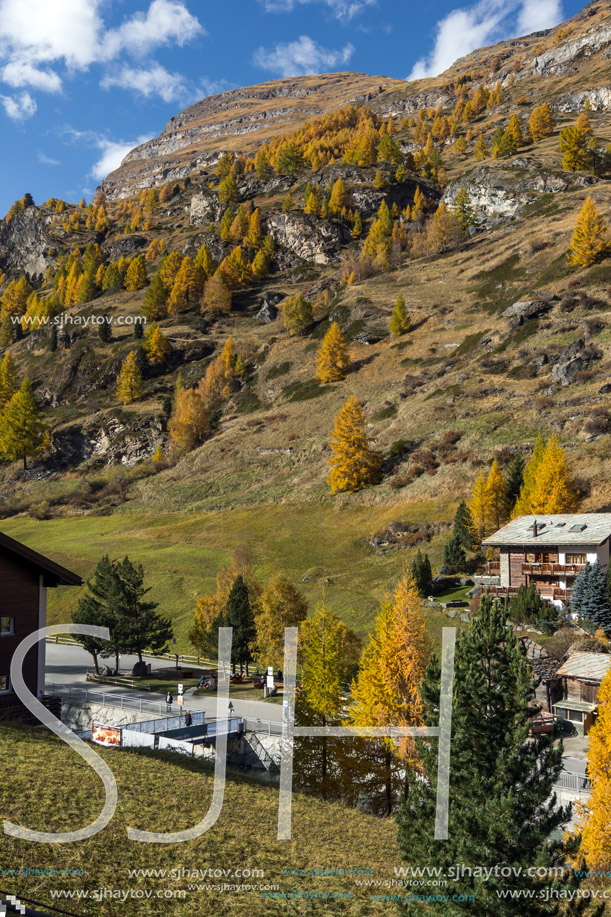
25,576
549,551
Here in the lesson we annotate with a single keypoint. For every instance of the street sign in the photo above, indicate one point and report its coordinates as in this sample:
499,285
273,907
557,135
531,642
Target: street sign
180,700
180,690
270,677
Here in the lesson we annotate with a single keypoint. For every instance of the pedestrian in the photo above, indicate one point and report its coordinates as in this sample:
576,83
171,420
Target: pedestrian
169,699
188,718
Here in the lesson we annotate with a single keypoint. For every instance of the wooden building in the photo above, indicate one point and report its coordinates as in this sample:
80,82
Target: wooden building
25,576
581,675
549,551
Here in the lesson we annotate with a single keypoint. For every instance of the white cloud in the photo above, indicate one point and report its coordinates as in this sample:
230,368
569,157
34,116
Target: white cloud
19,73
154,81
165,21
113,152
37,35
537,15
46,160
341,9
465,29
19,107
299,57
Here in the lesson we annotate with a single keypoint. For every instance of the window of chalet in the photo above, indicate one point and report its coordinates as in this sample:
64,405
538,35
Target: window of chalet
4,684
7,626
575,558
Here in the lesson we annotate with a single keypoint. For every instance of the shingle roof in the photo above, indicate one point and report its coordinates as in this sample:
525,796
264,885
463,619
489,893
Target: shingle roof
562,528
590,666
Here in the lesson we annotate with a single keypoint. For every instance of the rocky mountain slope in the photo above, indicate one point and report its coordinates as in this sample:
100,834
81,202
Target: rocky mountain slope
506,340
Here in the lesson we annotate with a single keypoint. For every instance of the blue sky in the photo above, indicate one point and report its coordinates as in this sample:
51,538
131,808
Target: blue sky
83,81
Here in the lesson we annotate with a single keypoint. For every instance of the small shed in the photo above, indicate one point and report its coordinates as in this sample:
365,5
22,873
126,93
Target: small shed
581,675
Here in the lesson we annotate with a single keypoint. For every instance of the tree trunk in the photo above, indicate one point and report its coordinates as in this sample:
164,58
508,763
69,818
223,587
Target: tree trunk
324,762
117,663
140,655
96,667
387,763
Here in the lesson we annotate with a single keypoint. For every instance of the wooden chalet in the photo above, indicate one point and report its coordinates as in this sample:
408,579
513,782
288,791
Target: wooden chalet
25,577
549,551
581,675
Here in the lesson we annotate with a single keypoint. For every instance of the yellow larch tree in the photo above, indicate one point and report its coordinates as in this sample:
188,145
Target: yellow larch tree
524,502
333,356
217,296
354,464
497,496
135,278
554,490
589,242
156,345
8,380
595,826
281,605
479,507
129,382
541,122
190,421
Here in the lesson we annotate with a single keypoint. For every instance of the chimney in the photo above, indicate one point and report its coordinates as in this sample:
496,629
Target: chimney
535,533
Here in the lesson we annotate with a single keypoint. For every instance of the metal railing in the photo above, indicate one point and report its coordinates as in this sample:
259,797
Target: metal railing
569,780
251,724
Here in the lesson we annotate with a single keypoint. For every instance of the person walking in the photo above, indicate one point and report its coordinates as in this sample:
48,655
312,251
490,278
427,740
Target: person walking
188,718
169,699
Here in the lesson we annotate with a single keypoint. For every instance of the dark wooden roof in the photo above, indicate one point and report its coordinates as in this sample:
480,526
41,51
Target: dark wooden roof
54,574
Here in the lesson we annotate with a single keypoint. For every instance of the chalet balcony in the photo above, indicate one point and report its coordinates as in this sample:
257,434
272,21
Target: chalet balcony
550,593
552,569
494,568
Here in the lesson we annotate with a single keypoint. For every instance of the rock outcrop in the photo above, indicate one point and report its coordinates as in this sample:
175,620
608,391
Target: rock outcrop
25,244
306,237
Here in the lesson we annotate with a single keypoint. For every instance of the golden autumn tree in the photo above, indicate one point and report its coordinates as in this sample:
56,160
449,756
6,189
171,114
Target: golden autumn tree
8,380
339,197
156,345
23,432
281,605
554,490
523,504
595,826
589,242
333,356
479,508
217,296
136,278
541,122
190,421
129,382
385,692
354,464
497,496
400,322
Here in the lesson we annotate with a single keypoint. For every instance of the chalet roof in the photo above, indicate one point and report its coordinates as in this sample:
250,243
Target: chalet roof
587,666
54,574
560,529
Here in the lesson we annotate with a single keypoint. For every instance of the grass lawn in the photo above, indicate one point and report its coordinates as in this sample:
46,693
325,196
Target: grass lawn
454,594
165,792
322,547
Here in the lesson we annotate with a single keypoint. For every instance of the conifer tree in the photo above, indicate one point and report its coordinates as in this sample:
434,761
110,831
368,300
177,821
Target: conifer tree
554,490
112,277
297,314
155,305
514,129
169,268
385,691
228,191
357,225
589,242
480,150
422,575
135,277
501,781
454,559
400,322
225,225
463,524
189,424
479,508
206,262
157,346
101,223
239,615
254,235
23,432
236,269
515,479
239,227
523,505
589,598
281,605
595,822
8,379
462,208
339,197
287,203
573,144
333,356
105,332
129,381
496,488
541,122
217,296
259,266
354,463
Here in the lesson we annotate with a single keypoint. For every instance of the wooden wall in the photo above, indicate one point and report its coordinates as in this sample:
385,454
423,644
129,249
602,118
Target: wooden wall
18,599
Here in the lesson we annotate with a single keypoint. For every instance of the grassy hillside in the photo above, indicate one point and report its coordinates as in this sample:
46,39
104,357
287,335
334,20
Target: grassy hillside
165,792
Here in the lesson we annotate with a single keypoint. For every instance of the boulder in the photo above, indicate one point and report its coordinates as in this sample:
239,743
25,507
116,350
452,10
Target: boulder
527,308
573,360
268,311
310,239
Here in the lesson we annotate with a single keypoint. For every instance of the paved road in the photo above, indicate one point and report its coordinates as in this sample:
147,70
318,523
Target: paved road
68,665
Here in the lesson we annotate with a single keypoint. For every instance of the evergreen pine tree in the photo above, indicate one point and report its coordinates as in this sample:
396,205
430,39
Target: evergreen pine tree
105,332
333,356
454,556
53,339
96,607
463,524
23,432
240,616
515,478
422,575
138,330
589,598
500,780
462,208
